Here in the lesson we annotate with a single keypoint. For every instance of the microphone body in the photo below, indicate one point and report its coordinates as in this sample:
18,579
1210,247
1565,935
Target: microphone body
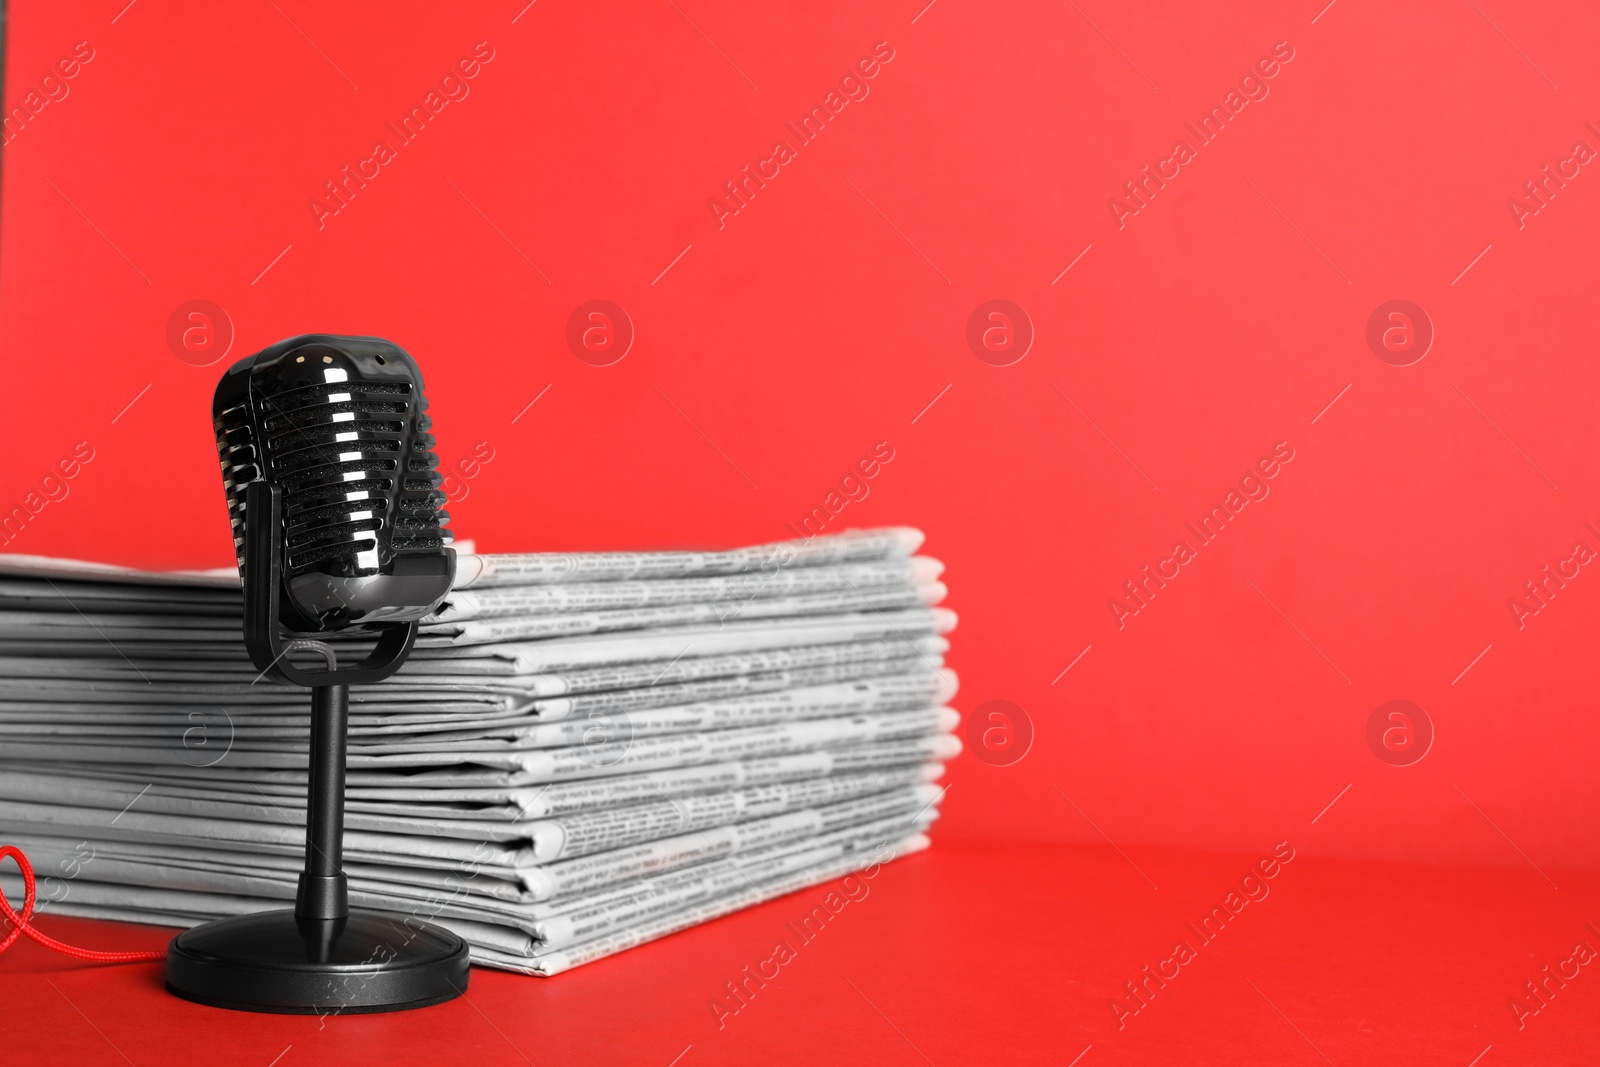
340,426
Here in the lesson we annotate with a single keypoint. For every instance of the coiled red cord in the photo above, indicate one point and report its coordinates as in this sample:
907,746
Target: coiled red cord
20,925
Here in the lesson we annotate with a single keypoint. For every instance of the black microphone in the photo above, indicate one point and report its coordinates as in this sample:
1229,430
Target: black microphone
333,493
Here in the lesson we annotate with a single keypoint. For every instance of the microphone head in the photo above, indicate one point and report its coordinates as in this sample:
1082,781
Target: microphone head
339,425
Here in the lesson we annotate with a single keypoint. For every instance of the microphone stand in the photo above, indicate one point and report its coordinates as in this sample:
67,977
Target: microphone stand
320,958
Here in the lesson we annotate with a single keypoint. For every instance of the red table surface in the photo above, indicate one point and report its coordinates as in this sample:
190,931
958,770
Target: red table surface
966,954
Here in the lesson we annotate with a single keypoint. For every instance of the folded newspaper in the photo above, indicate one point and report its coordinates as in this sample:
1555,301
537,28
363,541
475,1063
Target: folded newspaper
585,751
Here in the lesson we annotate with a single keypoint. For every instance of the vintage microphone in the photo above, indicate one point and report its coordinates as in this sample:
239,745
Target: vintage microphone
333,493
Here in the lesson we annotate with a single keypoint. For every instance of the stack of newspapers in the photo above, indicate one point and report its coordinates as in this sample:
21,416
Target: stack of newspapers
584,752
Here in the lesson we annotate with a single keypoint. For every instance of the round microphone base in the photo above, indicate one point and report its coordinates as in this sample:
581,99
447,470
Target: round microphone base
275,962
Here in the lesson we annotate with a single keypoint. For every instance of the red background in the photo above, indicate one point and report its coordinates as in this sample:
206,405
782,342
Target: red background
829,312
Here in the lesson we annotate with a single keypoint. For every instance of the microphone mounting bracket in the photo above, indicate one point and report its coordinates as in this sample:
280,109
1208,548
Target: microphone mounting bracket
264,635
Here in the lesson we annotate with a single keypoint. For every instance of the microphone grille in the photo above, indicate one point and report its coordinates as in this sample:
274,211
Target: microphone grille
340,426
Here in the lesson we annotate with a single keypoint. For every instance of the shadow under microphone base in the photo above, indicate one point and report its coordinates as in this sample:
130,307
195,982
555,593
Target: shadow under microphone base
320,958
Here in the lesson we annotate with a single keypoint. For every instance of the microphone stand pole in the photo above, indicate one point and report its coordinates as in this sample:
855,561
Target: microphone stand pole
324,890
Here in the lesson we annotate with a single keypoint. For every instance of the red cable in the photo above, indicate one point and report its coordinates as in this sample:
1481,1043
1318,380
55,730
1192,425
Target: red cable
20,924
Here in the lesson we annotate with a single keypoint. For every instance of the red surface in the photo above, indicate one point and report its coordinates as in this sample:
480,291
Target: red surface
969,954
776,348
